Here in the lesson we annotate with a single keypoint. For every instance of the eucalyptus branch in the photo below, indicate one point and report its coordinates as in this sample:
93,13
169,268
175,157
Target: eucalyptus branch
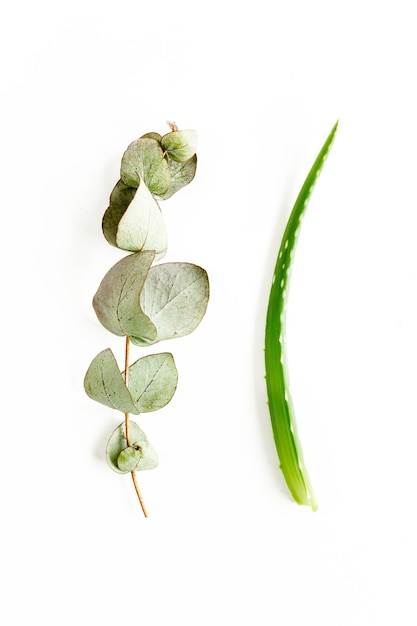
143,302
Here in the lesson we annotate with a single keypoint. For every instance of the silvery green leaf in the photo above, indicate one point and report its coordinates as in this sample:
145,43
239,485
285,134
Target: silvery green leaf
129,458
181,175
104,383
153,381
144,159
152,135
117,443
117,300
120,198
175,297
180,145
142,227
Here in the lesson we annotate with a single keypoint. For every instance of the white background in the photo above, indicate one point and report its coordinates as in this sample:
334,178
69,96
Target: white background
262,83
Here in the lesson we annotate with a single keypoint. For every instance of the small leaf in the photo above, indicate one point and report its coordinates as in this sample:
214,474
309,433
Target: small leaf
104,383
175,297
180,145
181,175
144,159
153,381
129,458
120,198
117,300
142,226
152,135
117,443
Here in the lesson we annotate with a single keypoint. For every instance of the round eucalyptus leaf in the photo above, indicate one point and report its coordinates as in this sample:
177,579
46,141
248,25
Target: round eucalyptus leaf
128,458
144,159
104,383
152,135
142,227
181,175
117,443
117,301
175,297
120,198
180,145
152,381
148,457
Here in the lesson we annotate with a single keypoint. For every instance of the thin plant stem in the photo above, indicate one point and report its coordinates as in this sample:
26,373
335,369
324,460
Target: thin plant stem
135,482
126,380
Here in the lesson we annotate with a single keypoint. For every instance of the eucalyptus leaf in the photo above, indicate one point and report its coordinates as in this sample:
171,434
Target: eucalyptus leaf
175,297
117,300
180,145
104,383
181,175
120,198
152,381
129,458
142,227
117,443
144,159
152,135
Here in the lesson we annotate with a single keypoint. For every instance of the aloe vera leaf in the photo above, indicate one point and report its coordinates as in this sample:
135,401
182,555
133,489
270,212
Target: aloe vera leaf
279,400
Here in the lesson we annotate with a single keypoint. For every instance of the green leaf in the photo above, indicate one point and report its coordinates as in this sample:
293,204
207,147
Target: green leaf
153,381
152,135
104,383
279,399
129,458
120,198
117,300
144,159
117,443
180,145
181,175
142,226
175,297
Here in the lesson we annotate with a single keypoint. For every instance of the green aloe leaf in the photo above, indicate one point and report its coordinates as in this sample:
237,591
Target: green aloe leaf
153,381
181,175
104,383
145,159
277,381
117,300
175,297
117,443
180,145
